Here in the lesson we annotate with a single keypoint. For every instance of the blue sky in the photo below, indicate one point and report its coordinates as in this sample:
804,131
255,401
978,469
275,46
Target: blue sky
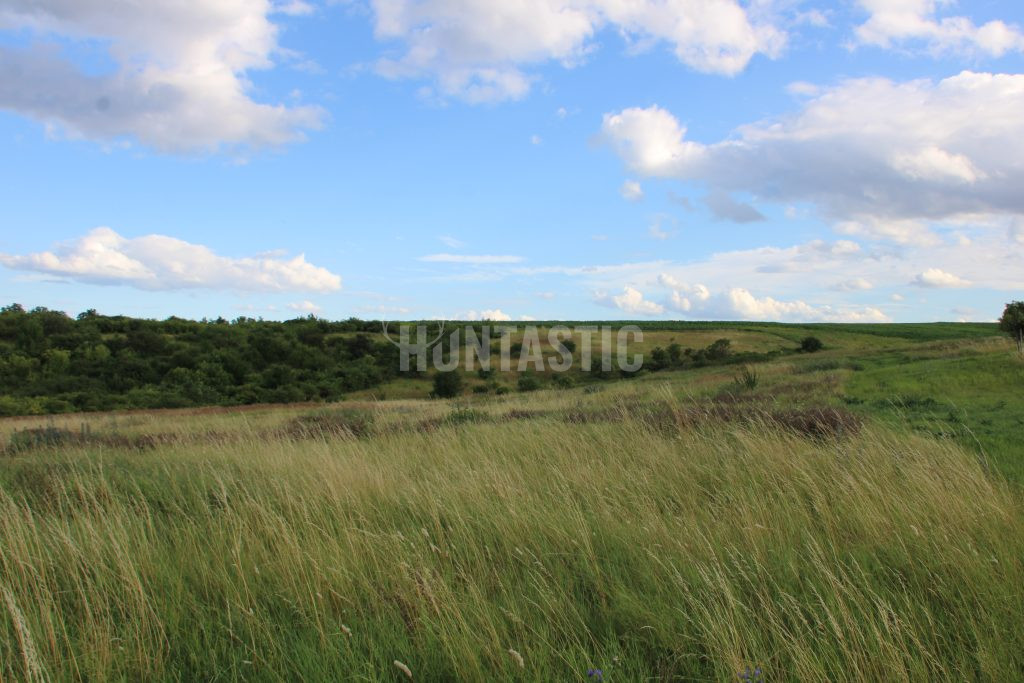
548,159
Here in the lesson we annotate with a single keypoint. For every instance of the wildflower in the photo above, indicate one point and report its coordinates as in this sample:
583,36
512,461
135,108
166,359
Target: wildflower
404,669
596,674
517,657
754,676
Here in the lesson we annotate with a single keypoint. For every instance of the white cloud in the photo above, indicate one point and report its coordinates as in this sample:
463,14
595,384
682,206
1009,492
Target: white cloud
871,153
916,21
854,285
305,306
295,8
495,315
159,262
655,230
808,271
1016,231
933,277
477,49
905,231
535,140
631,191
470,258
683,297
451,242
180,82
932,163
738,303
631,301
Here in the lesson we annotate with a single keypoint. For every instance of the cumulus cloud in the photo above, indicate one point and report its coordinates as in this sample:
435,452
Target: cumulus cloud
494,315
306,306
934,277
470,258
631,191
731,303
179,81
631,301
873,153
159,262
739,302
478,49
916,22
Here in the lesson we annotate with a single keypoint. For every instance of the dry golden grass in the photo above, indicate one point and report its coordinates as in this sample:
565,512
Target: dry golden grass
491,547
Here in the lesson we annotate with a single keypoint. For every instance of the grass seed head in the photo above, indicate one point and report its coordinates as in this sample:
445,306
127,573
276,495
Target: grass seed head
404,669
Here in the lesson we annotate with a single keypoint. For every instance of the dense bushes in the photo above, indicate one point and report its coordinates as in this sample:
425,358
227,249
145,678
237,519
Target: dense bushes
51,363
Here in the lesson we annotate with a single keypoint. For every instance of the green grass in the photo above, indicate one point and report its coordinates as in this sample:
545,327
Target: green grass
667,527
626,543
974,399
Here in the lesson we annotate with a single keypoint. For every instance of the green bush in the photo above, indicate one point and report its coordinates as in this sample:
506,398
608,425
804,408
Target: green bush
447,384
811,344
528,382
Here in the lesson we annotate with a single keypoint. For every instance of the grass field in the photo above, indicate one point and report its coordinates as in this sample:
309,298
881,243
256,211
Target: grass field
854,515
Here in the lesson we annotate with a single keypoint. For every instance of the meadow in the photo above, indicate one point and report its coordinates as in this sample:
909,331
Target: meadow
852,514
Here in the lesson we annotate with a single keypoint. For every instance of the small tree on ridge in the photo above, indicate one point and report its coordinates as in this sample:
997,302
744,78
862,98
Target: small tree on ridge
1012,323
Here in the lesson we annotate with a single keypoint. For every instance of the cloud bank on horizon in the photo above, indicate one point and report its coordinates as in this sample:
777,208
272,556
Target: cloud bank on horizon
870,171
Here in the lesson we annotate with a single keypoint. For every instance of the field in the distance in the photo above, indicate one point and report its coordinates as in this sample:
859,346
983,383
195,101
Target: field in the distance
853,514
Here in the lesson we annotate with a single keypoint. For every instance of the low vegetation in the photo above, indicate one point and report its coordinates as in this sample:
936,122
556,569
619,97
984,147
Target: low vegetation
737,507
635,532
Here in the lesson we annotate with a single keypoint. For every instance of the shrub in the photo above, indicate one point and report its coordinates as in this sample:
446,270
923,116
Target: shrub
528,382
675,354
659,358
811,344
447,384
718,350
563,380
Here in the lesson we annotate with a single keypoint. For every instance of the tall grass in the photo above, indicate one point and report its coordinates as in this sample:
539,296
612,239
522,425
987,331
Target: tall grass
528,550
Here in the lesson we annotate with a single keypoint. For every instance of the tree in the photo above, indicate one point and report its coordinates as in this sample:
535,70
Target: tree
811,344
675,354
447,384
718,350
659,358
1012,323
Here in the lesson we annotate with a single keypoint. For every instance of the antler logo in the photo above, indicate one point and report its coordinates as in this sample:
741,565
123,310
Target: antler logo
419,348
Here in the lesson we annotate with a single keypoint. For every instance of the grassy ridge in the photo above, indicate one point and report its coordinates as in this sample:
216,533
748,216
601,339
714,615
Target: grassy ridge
573,531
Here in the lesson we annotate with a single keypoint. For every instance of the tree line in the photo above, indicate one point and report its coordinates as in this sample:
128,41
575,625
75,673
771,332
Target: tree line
53,363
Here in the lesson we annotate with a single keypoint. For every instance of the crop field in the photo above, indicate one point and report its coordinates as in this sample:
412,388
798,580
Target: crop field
853,514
